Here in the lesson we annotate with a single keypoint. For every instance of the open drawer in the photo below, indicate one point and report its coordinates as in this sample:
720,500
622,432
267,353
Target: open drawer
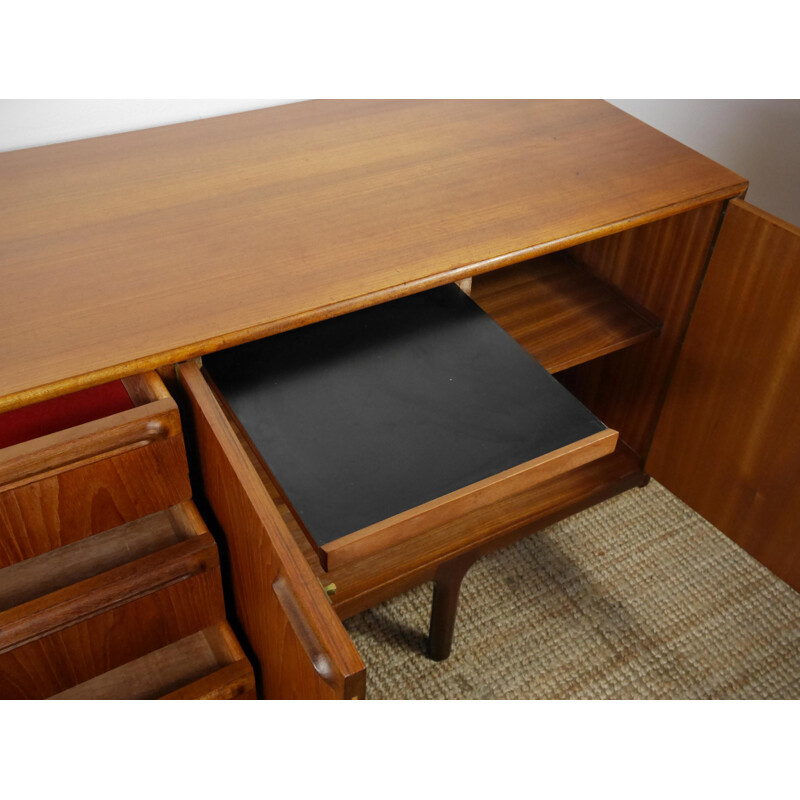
277,576
381,426
102,457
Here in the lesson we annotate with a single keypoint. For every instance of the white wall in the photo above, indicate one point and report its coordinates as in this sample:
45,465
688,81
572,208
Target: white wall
759,139
30,123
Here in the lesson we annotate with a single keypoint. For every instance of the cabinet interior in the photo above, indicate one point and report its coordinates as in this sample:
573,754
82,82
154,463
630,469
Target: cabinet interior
560,312
607,318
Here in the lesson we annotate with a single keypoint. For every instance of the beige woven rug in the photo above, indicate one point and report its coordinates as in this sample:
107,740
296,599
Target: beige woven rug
638,597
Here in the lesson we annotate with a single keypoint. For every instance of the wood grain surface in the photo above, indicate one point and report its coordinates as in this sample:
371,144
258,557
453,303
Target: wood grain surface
41,667
94,595
301,648
421,520
561,313
208,664
126,252
55,569
660,266
728,442
232,682
65,507
67,485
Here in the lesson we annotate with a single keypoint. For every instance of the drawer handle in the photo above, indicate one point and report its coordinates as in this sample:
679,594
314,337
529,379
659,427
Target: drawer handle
308,638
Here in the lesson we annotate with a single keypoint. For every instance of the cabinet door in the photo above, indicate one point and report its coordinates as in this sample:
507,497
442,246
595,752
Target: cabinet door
301,648
728,441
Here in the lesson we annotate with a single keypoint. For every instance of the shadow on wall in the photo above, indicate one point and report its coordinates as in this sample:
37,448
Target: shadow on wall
759,139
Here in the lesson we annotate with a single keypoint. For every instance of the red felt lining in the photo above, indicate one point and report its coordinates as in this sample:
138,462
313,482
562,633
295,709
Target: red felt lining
60,413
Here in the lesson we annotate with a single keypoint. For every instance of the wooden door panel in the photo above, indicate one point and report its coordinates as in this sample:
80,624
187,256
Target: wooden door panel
728,441
302,649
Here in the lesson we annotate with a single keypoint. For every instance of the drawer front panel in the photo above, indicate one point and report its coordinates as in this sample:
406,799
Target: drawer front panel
420,521
208,665
72,484
63,508
234,682
301,647
53,663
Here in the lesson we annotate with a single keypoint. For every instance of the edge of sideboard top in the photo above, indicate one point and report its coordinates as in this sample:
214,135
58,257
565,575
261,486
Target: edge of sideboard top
127,252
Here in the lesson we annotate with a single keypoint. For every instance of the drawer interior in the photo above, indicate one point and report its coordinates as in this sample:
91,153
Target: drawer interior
60,413
140,411
64,412
368,581
379,425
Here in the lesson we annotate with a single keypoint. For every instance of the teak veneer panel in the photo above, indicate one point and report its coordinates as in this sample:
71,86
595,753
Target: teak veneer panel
301,649
159,245
62,487
208,664
659,266
232,682
728,442
560,313
88,557
91,596
40,667
66,507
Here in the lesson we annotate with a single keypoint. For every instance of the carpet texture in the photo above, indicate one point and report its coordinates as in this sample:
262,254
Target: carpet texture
638,597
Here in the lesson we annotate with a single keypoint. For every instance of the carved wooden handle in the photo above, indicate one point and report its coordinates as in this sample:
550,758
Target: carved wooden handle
305,634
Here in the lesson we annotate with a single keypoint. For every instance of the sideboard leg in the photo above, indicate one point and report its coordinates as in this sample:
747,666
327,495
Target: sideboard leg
445,604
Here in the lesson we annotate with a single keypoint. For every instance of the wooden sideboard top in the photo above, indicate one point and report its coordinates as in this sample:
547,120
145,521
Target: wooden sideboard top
127,252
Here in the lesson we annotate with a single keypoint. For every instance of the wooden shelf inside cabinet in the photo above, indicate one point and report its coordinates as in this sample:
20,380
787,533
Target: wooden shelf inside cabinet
561,313
208,665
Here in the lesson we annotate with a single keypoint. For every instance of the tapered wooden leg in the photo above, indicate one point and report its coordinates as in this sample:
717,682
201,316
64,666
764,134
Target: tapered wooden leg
445,604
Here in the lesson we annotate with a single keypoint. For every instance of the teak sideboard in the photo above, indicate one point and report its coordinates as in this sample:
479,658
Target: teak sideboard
628,265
